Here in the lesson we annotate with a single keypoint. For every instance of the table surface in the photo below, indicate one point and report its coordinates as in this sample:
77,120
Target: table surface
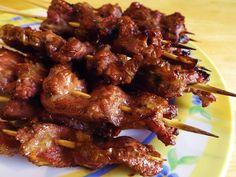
213,22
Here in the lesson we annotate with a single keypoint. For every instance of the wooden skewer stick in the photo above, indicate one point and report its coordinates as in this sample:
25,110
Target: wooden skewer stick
211,89
9,132
64,143
79,93
74,24
177,124
176,58
4,99
4,10
178,45
188,32
183,46
193,40
36,4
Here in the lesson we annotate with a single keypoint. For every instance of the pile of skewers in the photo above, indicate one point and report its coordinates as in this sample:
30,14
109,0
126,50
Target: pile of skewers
72,86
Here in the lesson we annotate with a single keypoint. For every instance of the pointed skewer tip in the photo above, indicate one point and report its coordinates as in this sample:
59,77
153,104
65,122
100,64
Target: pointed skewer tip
211,89
177,124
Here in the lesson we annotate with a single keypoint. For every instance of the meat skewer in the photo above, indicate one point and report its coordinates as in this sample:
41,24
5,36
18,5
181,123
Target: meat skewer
170,123
11,40
172,26
73,24
121,150
47,42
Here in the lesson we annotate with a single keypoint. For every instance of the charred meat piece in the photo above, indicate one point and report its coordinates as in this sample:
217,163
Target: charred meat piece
103,129
96,24
9,61
46,42
150,109
8,144
17,109
141,158
57,95
144,17
115,69
29,80
168,80
20,77
121,150
172,26
104,105
131,41
38,144
58,15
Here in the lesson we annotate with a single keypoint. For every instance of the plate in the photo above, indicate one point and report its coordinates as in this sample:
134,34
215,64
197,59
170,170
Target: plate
192,156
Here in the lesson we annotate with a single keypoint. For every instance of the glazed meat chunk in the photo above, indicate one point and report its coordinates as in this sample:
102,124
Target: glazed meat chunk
39,146
9,61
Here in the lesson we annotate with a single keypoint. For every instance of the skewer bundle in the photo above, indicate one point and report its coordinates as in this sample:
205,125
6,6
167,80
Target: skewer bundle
89,73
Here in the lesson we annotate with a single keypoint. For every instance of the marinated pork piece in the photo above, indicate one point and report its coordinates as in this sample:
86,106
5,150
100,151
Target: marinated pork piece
144,17
8,144
104,105
131,41
19,76
141,158
17,109
96,24
103,129
29,80
58,15
57,97
46,42
9,61
39,146
115,69
168,80
172,26
150,109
